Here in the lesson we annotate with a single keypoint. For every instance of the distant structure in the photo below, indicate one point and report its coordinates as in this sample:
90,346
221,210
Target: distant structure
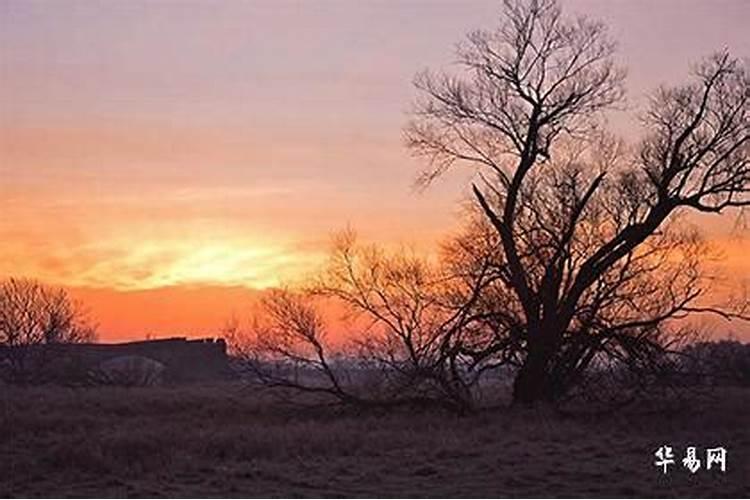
185,360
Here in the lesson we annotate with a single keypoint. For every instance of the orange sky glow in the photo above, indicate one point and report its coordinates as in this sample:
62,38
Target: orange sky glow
167,161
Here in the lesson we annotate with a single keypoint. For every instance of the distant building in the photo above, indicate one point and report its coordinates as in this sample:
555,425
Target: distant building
185,360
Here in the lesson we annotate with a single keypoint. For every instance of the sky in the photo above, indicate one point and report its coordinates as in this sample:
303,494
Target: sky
165,160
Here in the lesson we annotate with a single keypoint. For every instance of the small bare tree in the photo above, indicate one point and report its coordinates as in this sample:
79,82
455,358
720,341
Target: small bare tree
33,317
581,238
404,343
287,347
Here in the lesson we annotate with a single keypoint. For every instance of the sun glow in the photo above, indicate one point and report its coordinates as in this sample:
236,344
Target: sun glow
221,263
227,263
143,258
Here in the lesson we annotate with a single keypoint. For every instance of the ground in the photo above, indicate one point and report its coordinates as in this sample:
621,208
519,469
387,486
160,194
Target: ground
229,441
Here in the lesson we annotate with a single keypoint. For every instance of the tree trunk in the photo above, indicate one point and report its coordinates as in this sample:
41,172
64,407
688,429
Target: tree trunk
533,383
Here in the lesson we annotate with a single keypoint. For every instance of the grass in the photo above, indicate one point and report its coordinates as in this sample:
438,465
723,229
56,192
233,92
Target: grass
226,441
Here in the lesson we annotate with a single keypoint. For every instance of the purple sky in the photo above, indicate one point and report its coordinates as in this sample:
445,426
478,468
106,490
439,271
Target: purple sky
173,141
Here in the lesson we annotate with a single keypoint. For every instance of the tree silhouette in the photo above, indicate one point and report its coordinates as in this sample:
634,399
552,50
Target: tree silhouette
584,224
33,317
409,321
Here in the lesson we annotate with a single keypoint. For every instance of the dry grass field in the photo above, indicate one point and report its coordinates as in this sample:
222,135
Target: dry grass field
226,441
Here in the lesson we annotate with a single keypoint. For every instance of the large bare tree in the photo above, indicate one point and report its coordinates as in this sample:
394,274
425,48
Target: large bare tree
422,331
584,224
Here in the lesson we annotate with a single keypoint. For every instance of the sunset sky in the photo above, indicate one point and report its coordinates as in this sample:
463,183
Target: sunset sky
166,159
